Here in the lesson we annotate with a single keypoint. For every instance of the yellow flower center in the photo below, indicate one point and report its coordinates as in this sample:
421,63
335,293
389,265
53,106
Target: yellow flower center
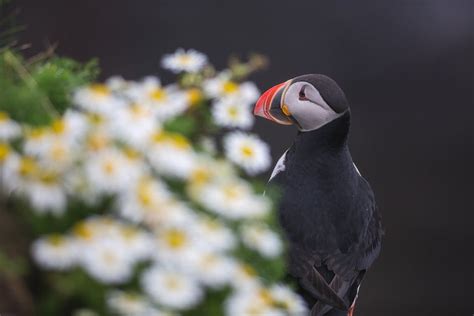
58,127
231,192
158,95
184,59
248,270
233,112
48,177
194,96
95,118
230,87
97,141
175,238
109,257
265,296
27,166
56,240
4,116
109,167
58,152
172,283
83,231
144,195
36,133
247,151
200,176
100,90
4,151
129,233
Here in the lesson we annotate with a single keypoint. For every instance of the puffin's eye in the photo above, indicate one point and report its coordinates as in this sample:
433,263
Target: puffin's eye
302,95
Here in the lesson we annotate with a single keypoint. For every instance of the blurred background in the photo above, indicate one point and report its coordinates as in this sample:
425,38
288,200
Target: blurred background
407,69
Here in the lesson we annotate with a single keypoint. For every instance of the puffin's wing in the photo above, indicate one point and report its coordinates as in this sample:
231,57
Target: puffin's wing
306,267
363,250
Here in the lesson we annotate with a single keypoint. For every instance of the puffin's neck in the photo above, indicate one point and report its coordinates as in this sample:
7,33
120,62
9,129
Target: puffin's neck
328,140
324,153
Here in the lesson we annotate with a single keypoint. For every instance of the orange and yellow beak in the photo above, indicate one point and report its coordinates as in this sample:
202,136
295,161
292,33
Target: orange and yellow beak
271,105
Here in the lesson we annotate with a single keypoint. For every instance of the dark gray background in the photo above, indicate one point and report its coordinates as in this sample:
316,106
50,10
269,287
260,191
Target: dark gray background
407,69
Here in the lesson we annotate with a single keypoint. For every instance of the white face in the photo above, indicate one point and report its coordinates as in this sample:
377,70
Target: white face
305,104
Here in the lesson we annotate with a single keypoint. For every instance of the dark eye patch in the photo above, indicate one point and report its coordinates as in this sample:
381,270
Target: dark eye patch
302,94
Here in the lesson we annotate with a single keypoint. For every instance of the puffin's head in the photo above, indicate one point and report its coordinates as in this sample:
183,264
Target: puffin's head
309,101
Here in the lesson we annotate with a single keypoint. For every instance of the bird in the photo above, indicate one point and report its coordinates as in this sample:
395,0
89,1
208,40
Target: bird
327,209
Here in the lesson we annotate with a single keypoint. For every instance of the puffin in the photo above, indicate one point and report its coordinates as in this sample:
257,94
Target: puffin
327,210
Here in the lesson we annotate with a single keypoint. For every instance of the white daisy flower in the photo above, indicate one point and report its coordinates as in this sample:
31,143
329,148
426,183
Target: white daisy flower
8,128
223,86
178,244
107,261
229,112
214,270
55,252
215,234
134,125
9,167
129,304
139,244
42,187
188,61
252,301
171,288
146,197
233,199
262,239
117,83
244,277
46,195
247,151
165,102
111,171
97,98
172,155
285,297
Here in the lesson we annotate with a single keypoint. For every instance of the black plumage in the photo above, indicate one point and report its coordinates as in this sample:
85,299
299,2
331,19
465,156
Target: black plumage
327,211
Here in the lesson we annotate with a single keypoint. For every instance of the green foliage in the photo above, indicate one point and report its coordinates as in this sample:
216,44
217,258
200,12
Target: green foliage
11,266
37,92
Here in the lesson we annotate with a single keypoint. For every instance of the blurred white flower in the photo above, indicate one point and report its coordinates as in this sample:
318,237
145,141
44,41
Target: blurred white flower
171,288
262,239
178,244
138,243
215,234
110,170
143,199
46,195
247,151
8,128
97,98
165,102
107,260
223,86
258,300
181,60
130,304
55,252
214,270
134,125
172,155
230,112
233,199
117,83
285,297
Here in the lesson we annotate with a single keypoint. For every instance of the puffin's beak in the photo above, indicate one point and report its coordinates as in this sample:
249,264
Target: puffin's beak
270,104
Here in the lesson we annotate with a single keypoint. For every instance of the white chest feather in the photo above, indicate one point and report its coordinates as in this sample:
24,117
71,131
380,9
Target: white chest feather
280,166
